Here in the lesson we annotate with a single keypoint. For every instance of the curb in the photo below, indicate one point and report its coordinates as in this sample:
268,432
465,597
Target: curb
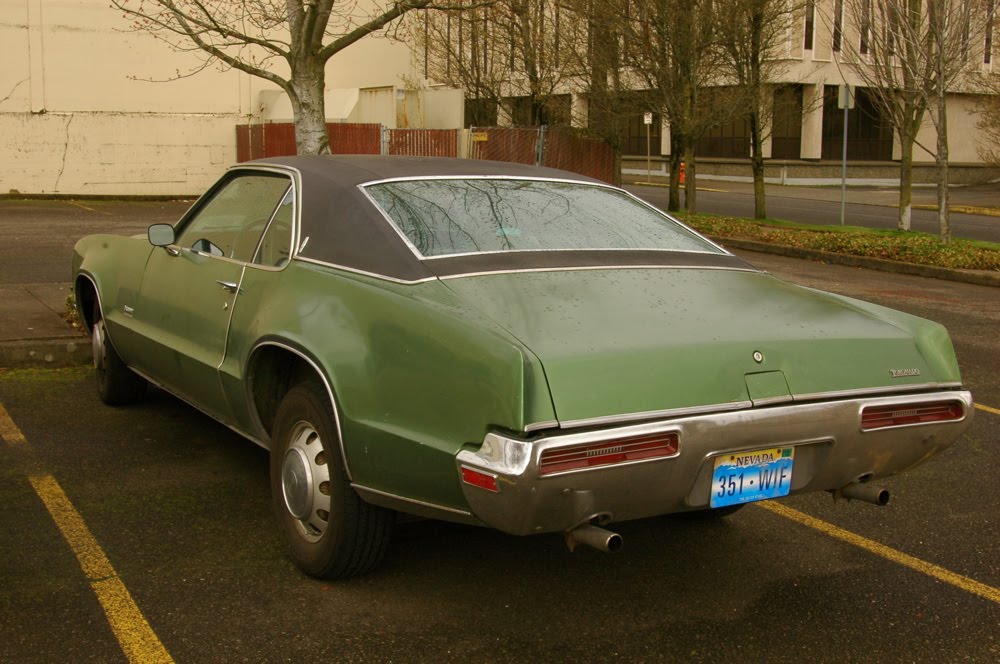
978,277
45,353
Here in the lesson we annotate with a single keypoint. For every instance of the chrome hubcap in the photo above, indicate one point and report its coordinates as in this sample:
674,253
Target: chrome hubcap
97,344
305,482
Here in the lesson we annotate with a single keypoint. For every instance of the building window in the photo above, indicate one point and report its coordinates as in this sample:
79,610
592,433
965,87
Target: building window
866,26
810,24
634,138
869,133
838,24
988,45
786,135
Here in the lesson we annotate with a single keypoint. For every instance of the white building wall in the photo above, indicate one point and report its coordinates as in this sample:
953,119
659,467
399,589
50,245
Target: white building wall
88,106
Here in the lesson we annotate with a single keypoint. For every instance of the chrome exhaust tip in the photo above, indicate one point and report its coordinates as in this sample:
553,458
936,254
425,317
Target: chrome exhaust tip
869,493
593,536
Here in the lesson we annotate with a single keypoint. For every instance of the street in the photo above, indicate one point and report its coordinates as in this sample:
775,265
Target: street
180,507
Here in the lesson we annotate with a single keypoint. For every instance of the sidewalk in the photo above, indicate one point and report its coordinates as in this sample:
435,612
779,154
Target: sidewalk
34,331
981,199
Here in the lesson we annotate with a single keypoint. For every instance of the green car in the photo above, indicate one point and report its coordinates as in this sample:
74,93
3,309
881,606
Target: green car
502,345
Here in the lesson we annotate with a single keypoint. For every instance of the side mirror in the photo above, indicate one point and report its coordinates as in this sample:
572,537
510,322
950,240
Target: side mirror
161,235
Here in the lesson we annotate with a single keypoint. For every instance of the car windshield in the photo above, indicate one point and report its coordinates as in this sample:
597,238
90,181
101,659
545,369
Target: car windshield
448,216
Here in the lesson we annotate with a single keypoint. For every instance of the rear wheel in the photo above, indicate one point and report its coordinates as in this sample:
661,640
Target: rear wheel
329,530
117,385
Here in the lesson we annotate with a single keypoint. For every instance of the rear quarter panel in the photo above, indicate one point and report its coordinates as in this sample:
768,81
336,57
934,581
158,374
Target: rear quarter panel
416,375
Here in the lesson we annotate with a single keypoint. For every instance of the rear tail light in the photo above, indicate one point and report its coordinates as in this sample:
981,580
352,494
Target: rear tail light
593,455
881,417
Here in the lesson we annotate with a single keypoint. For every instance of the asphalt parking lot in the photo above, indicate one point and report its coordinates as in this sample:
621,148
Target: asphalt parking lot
164,516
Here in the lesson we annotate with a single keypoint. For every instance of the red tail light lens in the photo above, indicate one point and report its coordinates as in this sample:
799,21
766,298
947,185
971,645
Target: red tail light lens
636,448
881,417
480,479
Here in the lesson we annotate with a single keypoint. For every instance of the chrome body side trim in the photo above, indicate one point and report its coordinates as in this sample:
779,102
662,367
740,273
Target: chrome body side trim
538,426
245,434
654,415
888,390
871,391
414,506
831,452
326,384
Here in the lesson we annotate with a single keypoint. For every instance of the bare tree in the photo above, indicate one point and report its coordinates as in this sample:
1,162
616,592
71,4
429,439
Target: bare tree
286,42
672,50
909,54
751,39
508,49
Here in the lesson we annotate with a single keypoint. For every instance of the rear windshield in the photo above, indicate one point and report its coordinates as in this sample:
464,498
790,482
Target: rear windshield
445,217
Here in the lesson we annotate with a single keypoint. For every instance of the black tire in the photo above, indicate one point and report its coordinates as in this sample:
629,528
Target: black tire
711,514
330,532
117,385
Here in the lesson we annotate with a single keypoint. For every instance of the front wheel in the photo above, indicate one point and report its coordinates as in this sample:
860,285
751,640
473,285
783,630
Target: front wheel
117,385
330,532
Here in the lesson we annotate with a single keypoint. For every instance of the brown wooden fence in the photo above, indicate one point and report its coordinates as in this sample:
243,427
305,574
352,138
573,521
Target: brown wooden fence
277,139
557,148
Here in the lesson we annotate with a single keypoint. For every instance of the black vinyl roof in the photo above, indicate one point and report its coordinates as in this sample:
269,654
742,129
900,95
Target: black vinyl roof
346,229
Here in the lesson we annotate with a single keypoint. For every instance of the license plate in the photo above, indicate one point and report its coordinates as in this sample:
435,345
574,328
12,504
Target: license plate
749,476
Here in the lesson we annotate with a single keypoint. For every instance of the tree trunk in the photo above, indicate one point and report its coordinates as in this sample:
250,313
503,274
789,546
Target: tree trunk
905,182
308,83
690,192
674,193
941,159
757,168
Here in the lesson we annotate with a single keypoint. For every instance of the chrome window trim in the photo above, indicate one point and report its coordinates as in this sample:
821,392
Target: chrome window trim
601,185
364,273
326,384
291,246
294,181
583,268
560,251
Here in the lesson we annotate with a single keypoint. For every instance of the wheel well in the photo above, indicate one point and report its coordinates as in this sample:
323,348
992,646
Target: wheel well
272,372
86,299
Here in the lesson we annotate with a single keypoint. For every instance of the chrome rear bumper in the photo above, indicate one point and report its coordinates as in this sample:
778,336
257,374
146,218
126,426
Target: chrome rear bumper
831,451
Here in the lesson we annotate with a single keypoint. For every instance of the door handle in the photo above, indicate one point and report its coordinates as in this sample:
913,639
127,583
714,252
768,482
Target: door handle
228,286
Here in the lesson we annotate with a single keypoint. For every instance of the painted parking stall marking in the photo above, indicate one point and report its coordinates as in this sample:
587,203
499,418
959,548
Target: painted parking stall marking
987,409
135,636
906,560
8,430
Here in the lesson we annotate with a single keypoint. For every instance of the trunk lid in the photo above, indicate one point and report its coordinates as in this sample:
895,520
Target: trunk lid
632,341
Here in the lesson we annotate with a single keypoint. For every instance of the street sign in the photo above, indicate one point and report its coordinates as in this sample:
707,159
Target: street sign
845,98
647,118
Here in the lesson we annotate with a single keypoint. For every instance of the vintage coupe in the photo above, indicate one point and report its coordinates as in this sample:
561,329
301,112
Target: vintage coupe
502,345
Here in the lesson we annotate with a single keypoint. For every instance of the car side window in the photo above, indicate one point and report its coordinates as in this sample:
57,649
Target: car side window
232,222
276,246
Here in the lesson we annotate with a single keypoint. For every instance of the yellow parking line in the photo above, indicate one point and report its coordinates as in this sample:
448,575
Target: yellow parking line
8,430
922,566
136,637
987,409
